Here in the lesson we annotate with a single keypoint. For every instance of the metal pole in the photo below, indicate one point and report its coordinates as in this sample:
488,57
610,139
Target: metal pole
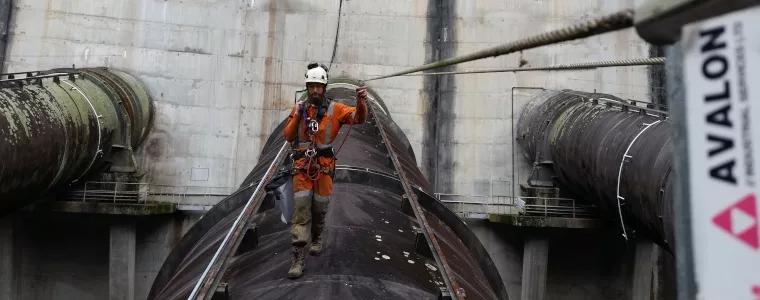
686,286
545,207
573,201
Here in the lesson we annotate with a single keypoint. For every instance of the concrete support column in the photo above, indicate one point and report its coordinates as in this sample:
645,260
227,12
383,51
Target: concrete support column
644,262
535,263
7,272
121,269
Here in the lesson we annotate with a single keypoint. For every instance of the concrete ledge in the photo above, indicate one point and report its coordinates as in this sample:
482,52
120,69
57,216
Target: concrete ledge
110,208
544,222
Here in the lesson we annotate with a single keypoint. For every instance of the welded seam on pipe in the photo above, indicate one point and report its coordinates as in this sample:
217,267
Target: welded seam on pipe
616,21
620,172
97,121
212,274
579,66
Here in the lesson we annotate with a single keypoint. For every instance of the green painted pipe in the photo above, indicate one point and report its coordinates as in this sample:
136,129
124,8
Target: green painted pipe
59,126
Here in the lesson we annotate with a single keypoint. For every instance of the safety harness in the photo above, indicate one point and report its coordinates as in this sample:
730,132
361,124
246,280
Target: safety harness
311,149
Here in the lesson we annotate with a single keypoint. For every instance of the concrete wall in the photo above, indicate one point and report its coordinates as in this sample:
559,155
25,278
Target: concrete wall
223,72
67,256
5,14
582,263
475,144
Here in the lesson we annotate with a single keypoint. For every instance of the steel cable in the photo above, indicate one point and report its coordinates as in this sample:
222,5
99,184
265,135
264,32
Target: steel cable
616,21
577,66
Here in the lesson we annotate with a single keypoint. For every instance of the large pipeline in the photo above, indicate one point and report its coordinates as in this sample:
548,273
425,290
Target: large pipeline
374,247
58,126
603,149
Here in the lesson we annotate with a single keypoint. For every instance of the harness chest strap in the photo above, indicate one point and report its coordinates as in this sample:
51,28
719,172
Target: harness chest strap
320,115
321,149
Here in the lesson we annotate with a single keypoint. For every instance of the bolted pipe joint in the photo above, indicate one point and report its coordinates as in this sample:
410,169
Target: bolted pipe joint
61,125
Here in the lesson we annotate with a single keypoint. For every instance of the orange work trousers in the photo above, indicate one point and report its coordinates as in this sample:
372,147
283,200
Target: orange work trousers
311,200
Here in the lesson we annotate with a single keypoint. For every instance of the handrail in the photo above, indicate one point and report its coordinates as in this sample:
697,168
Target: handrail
449,279
55,76
215,268
543,206
141,192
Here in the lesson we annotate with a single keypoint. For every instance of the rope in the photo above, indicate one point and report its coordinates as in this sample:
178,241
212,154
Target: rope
589,65
337,31
344,140
616,21
332,58
310,166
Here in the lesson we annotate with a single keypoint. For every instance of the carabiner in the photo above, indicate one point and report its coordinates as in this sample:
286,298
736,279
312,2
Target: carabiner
311,152
313,127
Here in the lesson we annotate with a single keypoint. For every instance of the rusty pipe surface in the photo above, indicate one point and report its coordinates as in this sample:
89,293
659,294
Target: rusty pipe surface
604,149
58,126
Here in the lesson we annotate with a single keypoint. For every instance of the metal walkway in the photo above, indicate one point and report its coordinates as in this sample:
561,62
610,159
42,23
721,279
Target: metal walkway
523,211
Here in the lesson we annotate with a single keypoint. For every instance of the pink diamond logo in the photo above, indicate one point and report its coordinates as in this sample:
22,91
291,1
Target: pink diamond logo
740,221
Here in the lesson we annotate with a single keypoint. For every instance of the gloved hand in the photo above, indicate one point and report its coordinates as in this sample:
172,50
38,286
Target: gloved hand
361,93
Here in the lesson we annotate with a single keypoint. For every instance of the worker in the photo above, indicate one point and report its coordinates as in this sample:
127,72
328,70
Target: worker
312,127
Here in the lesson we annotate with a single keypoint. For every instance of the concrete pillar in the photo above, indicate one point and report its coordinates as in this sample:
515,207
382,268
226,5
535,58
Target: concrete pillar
535,263
121,269
645,260
7,271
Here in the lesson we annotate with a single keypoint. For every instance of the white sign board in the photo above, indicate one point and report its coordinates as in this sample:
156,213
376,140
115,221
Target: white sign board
722,81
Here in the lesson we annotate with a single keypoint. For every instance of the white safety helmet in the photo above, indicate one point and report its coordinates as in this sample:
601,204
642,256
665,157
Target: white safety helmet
316,73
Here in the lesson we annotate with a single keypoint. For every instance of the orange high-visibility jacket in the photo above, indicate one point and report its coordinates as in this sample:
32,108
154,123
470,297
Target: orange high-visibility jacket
335,115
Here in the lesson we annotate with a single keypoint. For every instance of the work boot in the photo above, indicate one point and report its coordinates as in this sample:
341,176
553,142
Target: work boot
316,247
297,263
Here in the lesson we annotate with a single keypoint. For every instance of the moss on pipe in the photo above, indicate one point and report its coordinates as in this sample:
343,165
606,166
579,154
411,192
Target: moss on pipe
55,130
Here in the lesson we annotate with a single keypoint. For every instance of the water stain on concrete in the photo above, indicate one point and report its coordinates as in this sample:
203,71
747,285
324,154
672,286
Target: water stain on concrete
439,126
